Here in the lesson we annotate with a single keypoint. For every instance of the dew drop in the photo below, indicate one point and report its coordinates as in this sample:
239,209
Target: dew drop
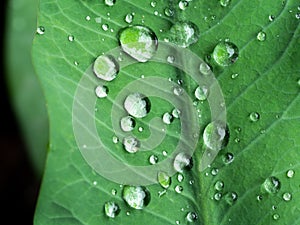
140,42
204,68
214,171
254,116
218,196
165,153
115,139
180,177
261,36
178,91
225,53
129,18
40,30
271,18
105,27
106,68
137,105
182,161
170,59
191,217
231,197
216,135
201,93
272,185
184,34
167,118
164,180
290,173
137,197
225,3
228,158
71,38
287,196
178,188
87,18
111,209
234,75
175,113
177,222
168,12
153,4
101,91
109,2
113,191
259,198
153,159
183,5
219,185
276,216
131,144
127,123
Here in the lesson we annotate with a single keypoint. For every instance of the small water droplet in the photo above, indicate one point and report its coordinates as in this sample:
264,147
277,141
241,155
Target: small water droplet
175,113
153,159
111,209
165,153
228,158
254,116
274,207
216,135
106,68
183,5
178,91
115,139
182,161
272,185
184,34
40,30
76,63
271,18
137,197
219,185
276,216
127,123
218,196
101,91
170,59
95,183
234,75
113,191
105,27
259,198
191,217
131,144
204,68
153,4
140,42
287,196
169,12
201,93
261,36
177,222
214,171
140,129
167,118
87,18
178,188
297,15
109,2
164,180
231,197
129,18
71,38
290,173
180,177
137,105
225,3
191,182
225,53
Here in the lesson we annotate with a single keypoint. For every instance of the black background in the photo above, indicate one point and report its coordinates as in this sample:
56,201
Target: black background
18,183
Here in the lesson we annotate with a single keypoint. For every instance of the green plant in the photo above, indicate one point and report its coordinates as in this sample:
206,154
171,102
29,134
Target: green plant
253,180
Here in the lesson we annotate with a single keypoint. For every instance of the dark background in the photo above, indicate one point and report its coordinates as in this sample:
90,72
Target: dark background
19,185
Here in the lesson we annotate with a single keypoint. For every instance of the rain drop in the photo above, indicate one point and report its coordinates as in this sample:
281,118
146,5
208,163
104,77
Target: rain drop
110,2
129,18
254,116
127,123
131,144
225,3
183,5
164,180
287,196
272,185
271,18
214,171
228,158
180,177
113,191
205,68
71,38
178,188
105,27
182,161
219,185
137,105
231,197
297,15
178,91
218,196
101,91
170,59
106,68
276,216
40,30
216,135
175,113
115,139
201,93
153,159
261,36
137,197
225,53
290,173
111,209
169,12
167,118
191,217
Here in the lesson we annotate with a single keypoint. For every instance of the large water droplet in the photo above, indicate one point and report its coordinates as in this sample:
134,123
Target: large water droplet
164,180
261,36
225,53
137,197
191,217
184,34
139,42
182,161
137,105
201,93
272,185
127,123
111,209
225,3
101,91
290,173
131,144
216,135
106,68
287,196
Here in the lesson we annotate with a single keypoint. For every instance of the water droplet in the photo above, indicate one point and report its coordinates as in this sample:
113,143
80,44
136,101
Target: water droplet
180,177
175,113
71,38
204,68
231,197
137,105
225,53
109,2
40,30
131,144
287,196
201,93
191,182
165,153
113,191
111,209
127,123
170,59
216,135
259,198
225,3
164,180
290,173
127,213
137,197
191,216
129,18
214,171
101,91
276,216
139,42
261,36
219,185
228,158
169,12
153,159
274,207
167,118
177,91
153,3
271,18
177,222
178,188
183,5
254,116
218,196
272,185
105,27
115,139
234,75
106,68
297,15
87,18
95,183
184,34
182,161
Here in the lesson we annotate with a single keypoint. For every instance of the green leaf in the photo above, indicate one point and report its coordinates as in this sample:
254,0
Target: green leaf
264,79
26,94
